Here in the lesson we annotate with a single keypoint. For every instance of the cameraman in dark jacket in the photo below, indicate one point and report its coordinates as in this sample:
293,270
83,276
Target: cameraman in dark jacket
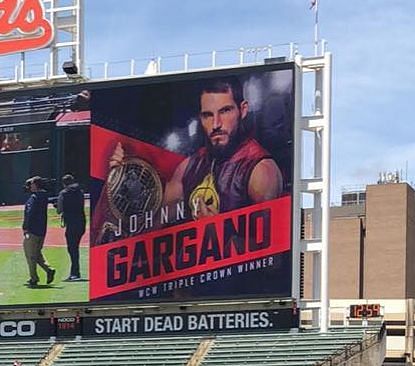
34,230
71,205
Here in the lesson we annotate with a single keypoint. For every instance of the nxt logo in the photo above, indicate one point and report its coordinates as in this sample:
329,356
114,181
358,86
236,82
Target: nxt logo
23,26
205,192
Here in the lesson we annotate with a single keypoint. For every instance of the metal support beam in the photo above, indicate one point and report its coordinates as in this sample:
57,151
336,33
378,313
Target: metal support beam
318,186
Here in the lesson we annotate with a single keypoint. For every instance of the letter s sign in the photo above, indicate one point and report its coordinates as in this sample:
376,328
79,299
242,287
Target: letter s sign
23,26
22,328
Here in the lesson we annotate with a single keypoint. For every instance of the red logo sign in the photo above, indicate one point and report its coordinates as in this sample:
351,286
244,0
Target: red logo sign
23,26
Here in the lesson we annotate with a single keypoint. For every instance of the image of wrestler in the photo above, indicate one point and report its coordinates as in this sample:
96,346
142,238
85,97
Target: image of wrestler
34,231
71,206
232,170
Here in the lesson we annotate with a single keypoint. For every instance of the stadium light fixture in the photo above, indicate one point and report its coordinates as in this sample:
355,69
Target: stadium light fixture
275,60
70,68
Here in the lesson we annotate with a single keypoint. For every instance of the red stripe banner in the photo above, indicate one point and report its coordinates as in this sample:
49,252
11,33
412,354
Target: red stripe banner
195,247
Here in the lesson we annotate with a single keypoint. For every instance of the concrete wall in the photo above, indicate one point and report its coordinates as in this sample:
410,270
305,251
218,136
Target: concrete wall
373,356
385,243
410,245
372,248
344,269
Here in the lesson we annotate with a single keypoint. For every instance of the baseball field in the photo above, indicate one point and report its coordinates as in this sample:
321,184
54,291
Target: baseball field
14,271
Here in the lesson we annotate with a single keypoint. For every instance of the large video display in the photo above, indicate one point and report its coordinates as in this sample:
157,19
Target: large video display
44,213
181,190
191,188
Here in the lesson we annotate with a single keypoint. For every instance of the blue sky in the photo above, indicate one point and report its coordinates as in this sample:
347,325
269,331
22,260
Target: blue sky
372,42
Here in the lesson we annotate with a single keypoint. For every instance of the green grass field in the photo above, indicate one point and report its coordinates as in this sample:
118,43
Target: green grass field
14,274
14,271
14,219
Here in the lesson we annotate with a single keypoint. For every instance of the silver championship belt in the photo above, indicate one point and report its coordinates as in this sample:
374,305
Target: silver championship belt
133,189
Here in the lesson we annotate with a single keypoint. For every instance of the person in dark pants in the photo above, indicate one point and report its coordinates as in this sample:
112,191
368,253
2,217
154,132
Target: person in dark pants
34,231
71,206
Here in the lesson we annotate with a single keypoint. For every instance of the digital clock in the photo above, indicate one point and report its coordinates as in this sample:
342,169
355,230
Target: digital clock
365,311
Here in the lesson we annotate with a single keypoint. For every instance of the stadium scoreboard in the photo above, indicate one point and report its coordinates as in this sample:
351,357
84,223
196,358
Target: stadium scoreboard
141,247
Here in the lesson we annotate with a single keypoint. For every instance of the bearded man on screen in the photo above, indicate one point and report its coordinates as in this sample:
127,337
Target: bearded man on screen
232,170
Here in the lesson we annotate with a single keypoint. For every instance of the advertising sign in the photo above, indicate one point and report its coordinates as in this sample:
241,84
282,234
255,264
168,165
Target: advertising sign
23,26
190,323
68,326
26,328
180,323
191,188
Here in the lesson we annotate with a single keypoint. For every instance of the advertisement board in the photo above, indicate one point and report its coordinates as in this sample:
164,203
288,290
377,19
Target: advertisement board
191,187
187,183
178,323
191,323
26,328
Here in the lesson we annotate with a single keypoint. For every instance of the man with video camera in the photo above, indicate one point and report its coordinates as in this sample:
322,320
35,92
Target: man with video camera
34,230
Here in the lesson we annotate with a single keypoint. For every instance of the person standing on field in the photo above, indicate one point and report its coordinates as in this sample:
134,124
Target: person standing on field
71,206
34,231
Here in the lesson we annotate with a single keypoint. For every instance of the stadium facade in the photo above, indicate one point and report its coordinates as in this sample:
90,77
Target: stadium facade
371,258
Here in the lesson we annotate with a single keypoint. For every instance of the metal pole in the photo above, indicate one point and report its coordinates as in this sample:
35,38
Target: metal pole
241,56
22,66
316,28
325,196
80,54
53,59
296,240
105,70
291,50
45,70
317,207
186,62
16,73
213,58
158,65
132,67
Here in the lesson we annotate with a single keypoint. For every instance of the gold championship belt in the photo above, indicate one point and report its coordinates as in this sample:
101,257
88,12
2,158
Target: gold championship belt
134,189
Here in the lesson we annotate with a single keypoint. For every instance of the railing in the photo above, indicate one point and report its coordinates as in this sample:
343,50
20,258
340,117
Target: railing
355,348
23,73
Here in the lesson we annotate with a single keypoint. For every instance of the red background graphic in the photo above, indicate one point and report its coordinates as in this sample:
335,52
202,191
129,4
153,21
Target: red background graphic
9,21
103,143
280,209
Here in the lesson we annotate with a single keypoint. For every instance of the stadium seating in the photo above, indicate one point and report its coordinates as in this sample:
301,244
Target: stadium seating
301,348
28,353
172,351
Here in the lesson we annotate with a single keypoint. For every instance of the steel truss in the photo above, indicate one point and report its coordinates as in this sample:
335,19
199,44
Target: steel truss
318,185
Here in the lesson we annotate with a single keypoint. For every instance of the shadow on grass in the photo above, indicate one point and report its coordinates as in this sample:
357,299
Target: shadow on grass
42,287
75,281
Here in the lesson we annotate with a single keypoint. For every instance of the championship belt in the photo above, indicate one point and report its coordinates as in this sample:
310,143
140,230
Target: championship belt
133,189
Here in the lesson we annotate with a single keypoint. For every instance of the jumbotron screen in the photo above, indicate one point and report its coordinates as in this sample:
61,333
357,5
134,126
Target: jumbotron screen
167,188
